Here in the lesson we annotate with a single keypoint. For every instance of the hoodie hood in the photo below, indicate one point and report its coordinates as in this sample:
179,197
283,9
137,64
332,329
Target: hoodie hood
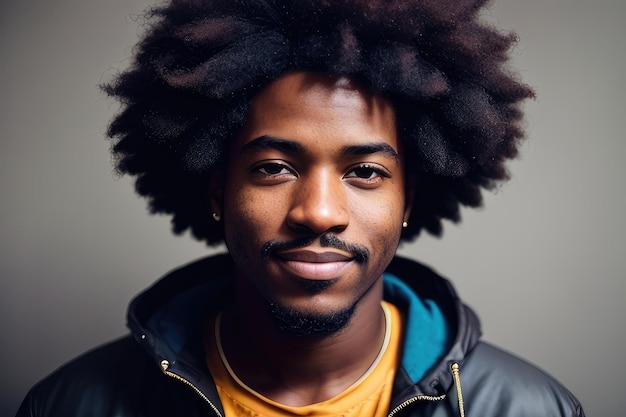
167,318
422,285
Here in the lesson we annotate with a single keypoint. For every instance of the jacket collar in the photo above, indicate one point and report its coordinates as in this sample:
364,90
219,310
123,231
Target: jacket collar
462,324
167,318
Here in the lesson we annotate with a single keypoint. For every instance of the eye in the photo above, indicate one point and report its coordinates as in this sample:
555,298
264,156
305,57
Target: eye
367,175
273,168
272,173
364,172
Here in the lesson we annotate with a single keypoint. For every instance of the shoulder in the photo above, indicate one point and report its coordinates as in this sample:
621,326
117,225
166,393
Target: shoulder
495,382
112,371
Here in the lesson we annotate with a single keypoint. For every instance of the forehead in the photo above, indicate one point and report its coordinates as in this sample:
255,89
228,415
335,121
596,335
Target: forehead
312,107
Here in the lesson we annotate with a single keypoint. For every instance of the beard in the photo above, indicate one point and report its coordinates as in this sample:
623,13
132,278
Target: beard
296,323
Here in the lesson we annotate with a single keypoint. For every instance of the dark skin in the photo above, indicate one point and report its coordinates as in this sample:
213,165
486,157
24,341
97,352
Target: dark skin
317,156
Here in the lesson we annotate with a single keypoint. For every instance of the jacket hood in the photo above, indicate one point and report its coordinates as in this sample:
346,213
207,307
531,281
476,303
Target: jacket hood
167,318
463,326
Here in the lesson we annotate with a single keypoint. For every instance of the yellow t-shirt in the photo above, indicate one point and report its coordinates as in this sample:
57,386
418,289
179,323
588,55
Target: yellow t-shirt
369,396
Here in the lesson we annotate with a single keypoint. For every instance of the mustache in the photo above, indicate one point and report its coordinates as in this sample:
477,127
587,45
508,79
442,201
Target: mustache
328,240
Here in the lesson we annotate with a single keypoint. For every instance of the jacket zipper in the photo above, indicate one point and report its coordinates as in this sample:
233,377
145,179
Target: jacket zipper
196,389
217,412
456,375
459,394
414,399
391,414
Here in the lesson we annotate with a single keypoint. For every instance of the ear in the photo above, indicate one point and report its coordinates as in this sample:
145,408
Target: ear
409,194
216,191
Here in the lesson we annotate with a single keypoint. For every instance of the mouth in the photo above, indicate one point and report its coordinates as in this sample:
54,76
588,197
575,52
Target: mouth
314,265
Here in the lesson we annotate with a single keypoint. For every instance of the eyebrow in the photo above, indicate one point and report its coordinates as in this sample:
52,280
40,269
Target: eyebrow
271,142
292,147
371,148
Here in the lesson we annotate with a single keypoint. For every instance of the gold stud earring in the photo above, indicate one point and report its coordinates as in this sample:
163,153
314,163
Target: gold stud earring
405,224
216,217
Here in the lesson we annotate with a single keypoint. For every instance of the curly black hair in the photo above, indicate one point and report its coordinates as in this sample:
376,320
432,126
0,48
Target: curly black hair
200,63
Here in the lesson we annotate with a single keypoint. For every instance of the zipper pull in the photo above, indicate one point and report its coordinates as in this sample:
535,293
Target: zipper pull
457,382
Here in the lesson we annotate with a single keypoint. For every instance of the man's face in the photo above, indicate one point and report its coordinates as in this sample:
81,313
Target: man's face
314,200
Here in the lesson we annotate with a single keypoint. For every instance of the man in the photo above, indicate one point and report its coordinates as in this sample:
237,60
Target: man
310,137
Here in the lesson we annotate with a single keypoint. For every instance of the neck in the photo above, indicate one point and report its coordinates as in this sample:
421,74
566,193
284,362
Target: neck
297,370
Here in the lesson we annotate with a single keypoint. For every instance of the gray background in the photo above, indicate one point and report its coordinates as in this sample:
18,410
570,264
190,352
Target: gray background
543,263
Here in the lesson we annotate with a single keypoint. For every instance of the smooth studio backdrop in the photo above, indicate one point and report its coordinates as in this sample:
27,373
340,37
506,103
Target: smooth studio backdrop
543,264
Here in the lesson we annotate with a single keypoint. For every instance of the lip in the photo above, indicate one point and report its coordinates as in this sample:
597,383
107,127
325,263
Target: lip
314,265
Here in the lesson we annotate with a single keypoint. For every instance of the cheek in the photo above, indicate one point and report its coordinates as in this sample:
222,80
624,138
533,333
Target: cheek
249,215
382,211
380,219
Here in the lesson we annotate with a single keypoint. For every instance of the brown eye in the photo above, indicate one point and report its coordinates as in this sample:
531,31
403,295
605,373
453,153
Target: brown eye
365,172
274,169
367,176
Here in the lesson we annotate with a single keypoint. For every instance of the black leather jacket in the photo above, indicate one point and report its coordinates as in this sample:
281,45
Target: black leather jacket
160,371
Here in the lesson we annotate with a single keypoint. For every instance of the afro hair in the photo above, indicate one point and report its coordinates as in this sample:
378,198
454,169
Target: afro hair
200,63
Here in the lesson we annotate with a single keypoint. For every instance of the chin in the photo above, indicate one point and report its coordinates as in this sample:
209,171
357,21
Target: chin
294,322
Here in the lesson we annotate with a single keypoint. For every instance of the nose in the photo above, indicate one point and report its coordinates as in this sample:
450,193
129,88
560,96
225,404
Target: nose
319,204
